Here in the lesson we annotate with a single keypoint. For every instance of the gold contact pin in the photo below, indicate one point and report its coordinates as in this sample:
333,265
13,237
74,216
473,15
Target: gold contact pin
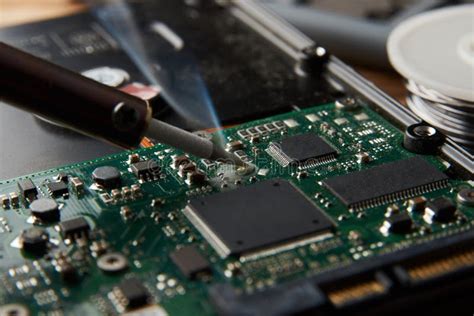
441,266
355,292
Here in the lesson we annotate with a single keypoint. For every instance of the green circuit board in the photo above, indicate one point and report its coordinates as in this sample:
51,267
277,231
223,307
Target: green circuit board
156,237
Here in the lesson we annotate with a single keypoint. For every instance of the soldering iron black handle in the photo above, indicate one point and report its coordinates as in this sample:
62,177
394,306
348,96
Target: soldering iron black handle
63,96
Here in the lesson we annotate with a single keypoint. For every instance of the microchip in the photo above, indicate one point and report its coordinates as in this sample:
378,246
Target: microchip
278,217
131,294
386,183
74,228
28,189
190,262
305,150
147,169
57,189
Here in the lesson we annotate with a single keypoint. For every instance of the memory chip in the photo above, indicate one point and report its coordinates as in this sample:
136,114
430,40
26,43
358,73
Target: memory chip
386,183
279,216
302,149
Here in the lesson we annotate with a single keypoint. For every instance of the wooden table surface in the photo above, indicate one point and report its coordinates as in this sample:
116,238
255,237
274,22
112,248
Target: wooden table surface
14,12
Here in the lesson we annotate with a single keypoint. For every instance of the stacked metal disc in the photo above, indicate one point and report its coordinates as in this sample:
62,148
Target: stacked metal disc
454,117
434,51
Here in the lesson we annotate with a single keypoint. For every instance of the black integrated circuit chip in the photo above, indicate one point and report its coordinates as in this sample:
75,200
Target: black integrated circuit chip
132,294
74,228
386,183
147,169
190,262
302,149
57,189
279,215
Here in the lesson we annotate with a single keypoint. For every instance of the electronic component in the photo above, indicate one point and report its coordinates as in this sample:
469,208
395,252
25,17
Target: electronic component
4,201
291,123
195,177
179,161
77,184
386,183
45,209
14,199
133,158
57,189
363,157
261,130
441,210
131,294
34,240
263,224
190,262
61,177
63,265
234,145
290,150
107,177
147,169
400,223
417,204
74,228
312,117
28,189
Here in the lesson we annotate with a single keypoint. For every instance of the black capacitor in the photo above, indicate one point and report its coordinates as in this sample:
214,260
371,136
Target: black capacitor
72,100
422,139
